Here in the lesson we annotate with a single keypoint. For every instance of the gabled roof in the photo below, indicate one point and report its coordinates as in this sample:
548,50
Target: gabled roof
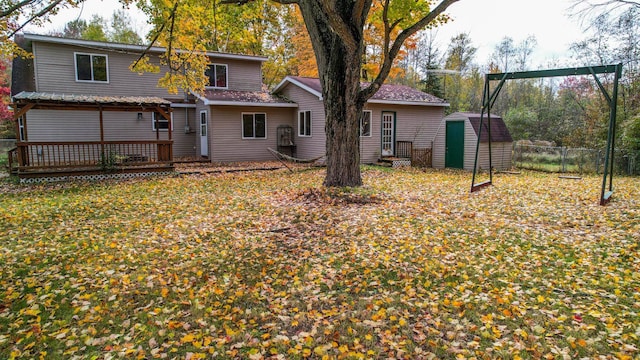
129,47
243,98
499,130
387,94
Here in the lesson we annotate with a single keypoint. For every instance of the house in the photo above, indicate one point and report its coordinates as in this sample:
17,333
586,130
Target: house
455,142
396,116
80,108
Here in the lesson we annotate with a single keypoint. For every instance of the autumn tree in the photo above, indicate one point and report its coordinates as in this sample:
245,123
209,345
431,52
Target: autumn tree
16,14
459,59
7,129
337,32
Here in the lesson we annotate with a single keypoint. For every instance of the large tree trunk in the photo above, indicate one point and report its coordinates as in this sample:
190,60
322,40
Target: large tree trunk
339,68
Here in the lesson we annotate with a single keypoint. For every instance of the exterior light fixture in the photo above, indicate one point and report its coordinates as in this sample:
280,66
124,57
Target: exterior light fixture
139,116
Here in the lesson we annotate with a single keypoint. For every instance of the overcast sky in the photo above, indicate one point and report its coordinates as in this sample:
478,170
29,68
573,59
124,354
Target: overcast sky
486,21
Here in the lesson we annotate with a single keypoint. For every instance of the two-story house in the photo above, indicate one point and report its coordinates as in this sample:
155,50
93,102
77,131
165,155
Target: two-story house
235,119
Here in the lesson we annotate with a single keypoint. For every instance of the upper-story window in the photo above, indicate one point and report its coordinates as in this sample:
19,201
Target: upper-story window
217,75
92,67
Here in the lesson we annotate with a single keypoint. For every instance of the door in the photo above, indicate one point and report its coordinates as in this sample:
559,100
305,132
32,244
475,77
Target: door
388,133
204,144
454,145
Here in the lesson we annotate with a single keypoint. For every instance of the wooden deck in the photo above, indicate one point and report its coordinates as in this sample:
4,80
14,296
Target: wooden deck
50,159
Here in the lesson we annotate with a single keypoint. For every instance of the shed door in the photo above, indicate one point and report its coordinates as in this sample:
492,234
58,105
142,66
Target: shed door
454,145
204,144
388,133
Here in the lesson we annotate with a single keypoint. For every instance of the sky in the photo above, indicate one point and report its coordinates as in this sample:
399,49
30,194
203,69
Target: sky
486,21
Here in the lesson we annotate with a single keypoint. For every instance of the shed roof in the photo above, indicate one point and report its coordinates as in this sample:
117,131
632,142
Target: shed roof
387,94
499,130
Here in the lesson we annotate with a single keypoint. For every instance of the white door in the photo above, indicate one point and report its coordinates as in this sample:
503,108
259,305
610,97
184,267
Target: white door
388,130
204,144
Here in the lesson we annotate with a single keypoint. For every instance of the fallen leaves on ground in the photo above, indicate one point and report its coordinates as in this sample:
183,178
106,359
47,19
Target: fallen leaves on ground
273,265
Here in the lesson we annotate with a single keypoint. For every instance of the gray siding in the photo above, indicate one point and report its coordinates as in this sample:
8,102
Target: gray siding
226,143
315,145
55,72
417,124
184,143
57,125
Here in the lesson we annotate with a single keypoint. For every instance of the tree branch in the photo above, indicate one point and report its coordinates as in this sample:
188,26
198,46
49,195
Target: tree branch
390,54
15,7
40,13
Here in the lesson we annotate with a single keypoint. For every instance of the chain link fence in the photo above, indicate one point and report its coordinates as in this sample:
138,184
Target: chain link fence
573,160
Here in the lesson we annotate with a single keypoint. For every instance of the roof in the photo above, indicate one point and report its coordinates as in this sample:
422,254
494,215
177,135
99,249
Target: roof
499,130
244,98
52,100
387,94
130,47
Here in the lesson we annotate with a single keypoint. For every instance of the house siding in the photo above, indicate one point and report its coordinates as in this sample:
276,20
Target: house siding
315,145
46,125
417,124
55,72
227,144
184,143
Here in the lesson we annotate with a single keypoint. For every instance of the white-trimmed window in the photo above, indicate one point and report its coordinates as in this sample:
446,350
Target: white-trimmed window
365,123
21,128
91,67
217,75
254,125
304,123
163,124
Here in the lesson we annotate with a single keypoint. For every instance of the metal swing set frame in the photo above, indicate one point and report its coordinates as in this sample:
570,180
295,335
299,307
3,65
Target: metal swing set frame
489,98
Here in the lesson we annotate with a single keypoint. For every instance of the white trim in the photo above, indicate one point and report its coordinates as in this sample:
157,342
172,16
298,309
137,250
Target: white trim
206,136
130,47
297,83
266,132
404,102
182,105
153,122
310,123
91,55
226,76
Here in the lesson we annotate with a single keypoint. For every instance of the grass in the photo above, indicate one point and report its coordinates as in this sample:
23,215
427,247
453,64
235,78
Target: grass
267,264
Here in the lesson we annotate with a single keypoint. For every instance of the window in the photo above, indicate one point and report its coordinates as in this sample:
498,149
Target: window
21,128
163,124
304,123
91,67
254,126
365,123
217,75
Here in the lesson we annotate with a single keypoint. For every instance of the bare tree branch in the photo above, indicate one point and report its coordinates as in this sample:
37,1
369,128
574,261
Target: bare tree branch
40,13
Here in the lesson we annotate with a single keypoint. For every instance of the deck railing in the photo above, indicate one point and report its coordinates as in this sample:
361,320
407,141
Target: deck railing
404,149
420,157
105,155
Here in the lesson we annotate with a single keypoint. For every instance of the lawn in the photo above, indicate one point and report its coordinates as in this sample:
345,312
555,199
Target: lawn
272,265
